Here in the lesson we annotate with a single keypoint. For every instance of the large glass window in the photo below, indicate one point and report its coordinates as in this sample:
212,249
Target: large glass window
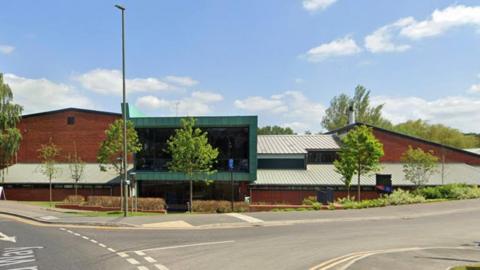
321,157
231,142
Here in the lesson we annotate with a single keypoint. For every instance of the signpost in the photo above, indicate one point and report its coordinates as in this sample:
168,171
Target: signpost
230,168
2,193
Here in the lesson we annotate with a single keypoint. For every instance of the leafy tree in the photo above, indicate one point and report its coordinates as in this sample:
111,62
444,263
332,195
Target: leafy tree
363,150
336,116
111,149
275,130
345,165
48,154
76,167
10,136
437,133
419,165
191,153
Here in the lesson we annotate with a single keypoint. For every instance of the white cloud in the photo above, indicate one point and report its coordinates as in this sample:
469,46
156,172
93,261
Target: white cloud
258,104
381,39
6,49
313,5
109,81
291,108
181,81
455,111
37,95
339,47
198,103
475,88
442,20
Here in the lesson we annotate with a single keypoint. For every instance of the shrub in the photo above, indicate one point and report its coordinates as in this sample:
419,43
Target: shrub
400,196
310,200
215,206
74,199
147,204
450,191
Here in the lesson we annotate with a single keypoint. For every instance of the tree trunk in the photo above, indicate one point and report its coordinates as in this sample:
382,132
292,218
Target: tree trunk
191,196
76,187
50,189
348,192
358,186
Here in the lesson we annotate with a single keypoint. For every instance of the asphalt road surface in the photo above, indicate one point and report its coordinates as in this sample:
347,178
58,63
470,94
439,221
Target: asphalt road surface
430,242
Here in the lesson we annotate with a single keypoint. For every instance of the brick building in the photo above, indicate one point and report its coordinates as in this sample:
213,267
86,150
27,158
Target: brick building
268,168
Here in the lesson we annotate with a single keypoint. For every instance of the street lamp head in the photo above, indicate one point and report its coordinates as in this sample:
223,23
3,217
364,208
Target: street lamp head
120,7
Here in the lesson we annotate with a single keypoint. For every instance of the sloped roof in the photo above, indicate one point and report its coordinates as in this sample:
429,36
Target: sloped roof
70,109
30,173
473,150
325,175
294,144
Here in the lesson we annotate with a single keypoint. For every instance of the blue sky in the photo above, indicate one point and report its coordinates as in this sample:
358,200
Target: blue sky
280,59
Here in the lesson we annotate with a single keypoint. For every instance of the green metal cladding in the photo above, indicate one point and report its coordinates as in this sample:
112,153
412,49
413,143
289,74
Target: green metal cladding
203,121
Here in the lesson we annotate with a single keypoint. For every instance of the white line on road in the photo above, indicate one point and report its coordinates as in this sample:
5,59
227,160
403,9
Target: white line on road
76,234
150,259
122,254
142,268
161,267
102,245
111,250
93,241
69,231
189,245
63,229
133,261
246,218
5,237
140,253
86,238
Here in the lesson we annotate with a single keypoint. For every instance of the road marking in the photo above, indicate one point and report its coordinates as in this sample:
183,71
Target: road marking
93,241
86,238
246,218
69,231
76,234
102,245
7,238
140,253
133,261
161,267
63,229
111,250
48,217
189,245
122,254
142,268
150,259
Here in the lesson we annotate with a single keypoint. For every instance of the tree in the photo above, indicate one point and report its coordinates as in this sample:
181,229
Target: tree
10,136
76,167
48,153
437,133
191,153
363,150
419,165
336,116
275,130
345,165
110,152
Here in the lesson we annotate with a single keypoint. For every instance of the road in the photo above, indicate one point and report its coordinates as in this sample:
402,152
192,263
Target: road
424,242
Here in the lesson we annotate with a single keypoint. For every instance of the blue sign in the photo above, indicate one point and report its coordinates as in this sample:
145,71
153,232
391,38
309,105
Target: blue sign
230,164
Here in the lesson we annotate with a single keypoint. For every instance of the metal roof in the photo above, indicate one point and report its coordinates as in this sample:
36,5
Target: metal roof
473,150
294,144
30,173
325,175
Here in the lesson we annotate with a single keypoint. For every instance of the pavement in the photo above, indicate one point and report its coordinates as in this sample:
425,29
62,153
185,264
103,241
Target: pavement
234,220
427,236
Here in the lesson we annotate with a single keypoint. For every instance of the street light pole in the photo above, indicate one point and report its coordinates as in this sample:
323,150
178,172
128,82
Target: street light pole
124,114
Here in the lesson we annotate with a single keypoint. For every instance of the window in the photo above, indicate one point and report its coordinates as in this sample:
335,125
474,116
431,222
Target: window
320,157
71,120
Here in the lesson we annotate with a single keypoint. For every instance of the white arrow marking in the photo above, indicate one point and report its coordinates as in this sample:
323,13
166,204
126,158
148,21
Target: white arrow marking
5,237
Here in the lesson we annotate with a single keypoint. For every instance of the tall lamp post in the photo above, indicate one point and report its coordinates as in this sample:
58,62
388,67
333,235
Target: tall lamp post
124,114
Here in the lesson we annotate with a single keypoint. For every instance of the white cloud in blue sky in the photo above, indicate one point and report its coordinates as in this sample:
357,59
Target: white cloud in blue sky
418,59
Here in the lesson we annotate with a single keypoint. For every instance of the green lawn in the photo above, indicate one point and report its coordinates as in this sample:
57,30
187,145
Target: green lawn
466,267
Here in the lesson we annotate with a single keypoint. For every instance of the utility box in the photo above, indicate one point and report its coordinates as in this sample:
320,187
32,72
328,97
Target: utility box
325,196
384,183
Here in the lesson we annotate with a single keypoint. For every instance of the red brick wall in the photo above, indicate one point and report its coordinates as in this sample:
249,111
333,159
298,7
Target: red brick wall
42,194
394,146
87,133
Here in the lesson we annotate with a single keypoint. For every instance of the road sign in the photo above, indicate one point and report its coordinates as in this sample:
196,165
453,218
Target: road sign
230,164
